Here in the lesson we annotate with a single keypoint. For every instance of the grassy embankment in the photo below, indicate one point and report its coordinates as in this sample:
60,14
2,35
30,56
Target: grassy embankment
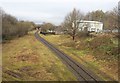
98,54
0,62
26,59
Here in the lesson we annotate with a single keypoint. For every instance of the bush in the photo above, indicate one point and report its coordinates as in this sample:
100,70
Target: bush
100,41
104,48
12,28
83,34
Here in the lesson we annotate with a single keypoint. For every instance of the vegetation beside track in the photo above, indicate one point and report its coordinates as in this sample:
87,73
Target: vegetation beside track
26,59
99,54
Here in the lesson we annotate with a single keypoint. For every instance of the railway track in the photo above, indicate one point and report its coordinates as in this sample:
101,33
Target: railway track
80,71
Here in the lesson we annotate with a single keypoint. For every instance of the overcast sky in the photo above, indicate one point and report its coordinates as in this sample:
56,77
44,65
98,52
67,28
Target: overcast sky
52,11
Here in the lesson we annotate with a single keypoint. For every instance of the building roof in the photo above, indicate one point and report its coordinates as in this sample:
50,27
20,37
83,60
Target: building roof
85,21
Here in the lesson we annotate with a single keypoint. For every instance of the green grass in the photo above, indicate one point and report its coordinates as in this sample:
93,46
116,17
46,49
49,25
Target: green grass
26,59
91,58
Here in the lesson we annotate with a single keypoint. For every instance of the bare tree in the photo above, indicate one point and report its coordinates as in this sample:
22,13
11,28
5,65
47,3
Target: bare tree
70,22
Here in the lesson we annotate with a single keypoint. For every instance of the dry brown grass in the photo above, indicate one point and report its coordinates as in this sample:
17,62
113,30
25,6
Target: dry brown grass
26,59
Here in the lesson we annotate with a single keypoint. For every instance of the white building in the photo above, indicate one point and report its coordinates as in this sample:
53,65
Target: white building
91,26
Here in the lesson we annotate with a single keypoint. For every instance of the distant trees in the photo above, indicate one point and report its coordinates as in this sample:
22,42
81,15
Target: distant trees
71,20
115,15
11,27
109,18
95,15
47,26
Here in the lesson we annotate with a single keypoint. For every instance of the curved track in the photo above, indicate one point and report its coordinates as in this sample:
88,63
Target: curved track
80,71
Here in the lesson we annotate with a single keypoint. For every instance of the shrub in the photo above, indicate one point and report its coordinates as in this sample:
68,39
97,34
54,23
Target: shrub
11,27
100,41
104,48
83,34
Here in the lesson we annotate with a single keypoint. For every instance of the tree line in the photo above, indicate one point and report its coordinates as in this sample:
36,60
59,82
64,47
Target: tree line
108,18
46,26
11,27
